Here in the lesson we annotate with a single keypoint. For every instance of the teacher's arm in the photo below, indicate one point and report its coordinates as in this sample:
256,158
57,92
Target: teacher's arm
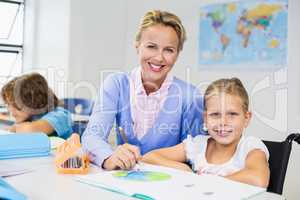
95,137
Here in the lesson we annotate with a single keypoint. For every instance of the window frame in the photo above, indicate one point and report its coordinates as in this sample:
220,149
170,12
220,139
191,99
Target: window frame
14,48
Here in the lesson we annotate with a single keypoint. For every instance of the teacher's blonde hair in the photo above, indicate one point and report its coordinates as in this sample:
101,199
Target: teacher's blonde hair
165,18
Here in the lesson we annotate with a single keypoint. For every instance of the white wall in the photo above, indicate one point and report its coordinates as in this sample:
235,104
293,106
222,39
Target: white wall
46,40
98,33
90,38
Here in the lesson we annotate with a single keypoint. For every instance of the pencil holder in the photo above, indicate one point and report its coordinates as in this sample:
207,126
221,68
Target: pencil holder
70,157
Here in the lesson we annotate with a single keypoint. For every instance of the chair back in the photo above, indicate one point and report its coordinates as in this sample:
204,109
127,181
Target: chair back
278,161
79,106
79,127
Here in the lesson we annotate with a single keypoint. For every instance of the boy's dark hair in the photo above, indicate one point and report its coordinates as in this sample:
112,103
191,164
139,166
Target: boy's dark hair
30,93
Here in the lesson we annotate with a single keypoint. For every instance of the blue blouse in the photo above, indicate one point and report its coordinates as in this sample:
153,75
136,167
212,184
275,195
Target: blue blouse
180,115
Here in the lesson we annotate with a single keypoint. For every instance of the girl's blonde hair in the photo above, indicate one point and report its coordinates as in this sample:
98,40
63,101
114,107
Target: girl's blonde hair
155,17
232,86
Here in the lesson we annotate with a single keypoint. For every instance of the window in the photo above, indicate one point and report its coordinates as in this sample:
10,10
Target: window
11,38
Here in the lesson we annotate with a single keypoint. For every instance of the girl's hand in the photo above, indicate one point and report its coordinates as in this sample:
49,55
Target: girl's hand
200,171
124,157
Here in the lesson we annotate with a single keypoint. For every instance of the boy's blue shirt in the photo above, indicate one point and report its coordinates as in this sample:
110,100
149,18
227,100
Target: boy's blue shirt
181,115
60,119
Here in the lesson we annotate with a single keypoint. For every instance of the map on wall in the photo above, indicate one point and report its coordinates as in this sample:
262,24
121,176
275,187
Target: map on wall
247,32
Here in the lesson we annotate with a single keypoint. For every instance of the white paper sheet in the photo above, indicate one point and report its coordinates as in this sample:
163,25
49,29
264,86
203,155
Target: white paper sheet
12,170
5,132
56,142
182,185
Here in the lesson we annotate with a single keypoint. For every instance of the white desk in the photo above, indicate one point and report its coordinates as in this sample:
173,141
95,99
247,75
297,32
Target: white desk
45,184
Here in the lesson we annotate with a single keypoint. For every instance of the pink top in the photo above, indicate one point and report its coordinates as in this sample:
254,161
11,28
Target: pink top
145,108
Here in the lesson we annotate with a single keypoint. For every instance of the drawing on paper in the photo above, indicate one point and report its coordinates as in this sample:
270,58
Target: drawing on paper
136,175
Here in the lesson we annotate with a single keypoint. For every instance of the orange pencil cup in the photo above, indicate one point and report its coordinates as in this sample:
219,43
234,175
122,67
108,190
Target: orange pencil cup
70,158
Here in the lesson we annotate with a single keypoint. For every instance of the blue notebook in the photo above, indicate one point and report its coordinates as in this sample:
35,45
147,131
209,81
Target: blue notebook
8,192
24,145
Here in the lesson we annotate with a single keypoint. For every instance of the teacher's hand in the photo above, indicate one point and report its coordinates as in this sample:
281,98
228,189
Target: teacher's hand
124,157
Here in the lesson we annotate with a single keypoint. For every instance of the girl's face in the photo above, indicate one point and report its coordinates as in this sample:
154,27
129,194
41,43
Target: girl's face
19,115
225,118
158,51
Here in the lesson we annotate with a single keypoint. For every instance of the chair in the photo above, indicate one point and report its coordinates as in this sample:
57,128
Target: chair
78,107
79,127
278,161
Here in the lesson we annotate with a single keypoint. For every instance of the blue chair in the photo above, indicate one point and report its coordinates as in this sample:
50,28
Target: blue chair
79,127
79,106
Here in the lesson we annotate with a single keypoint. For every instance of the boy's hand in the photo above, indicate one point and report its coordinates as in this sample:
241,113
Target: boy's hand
11,128
124,157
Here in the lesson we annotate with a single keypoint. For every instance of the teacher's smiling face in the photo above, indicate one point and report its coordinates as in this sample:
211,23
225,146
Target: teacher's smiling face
158,51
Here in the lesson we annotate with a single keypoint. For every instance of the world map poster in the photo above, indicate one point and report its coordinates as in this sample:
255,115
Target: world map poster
246,32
